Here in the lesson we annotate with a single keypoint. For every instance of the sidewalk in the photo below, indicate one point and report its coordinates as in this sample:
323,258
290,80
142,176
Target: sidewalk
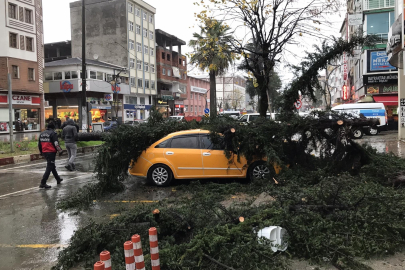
20,136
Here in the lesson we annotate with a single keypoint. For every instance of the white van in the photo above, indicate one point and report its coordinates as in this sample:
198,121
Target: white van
369,110
249,117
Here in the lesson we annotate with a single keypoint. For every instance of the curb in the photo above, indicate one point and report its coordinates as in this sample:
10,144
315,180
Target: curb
33,157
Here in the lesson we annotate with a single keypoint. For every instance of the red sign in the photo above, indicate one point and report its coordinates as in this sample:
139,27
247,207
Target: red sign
66,86
298,104
345,92
117,89
3,126
21,99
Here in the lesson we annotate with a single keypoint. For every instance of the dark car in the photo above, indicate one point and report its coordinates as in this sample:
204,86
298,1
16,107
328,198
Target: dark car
110,125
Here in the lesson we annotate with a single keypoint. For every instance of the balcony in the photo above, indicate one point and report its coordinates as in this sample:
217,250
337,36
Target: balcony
378,4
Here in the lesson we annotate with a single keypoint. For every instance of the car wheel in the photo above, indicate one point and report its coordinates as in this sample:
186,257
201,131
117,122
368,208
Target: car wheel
372,131
357,133
160,175
260,170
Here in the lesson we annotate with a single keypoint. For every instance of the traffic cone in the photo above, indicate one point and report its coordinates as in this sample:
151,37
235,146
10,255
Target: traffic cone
154,249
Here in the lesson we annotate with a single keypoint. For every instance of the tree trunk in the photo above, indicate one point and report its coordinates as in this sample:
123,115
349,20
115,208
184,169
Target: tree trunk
263,98
213,95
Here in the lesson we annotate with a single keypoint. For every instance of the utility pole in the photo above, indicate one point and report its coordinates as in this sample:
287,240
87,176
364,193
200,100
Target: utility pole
84,119
10,116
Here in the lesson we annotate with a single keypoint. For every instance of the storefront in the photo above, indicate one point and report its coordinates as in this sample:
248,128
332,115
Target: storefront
25,115
136,107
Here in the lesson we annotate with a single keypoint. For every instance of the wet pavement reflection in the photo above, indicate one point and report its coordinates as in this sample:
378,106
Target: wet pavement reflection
33,231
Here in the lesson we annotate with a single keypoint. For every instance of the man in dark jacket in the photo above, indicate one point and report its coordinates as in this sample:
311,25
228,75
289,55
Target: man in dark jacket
66,123
48,145
69,134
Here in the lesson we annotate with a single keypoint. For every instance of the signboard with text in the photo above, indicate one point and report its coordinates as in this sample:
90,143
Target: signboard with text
21,99
378,61
381,79
355,19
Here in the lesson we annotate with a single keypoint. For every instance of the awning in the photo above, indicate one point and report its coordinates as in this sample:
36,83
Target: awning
388,100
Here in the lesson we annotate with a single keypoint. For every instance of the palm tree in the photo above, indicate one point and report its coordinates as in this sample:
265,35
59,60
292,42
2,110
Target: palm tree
212,51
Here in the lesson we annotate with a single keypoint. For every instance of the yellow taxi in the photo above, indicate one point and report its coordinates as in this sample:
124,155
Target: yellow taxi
190,154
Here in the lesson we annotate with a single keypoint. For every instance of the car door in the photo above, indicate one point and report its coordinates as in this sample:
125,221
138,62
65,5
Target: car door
215,163
184,155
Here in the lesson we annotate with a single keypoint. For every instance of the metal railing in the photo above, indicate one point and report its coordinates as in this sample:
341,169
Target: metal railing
377,4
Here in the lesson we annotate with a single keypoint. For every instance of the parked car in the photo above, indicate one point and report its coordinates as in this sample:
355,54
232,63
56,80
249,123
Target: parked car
249,117
191,155
368,110
233,114
110,125
176,117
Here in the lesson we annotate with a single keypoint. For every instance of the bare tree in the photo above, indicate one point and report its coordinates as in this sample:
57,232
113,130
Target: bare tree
271,25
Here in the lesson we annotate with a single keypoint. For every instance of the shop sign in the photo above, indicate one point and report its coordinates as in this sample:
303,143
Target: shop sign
394,44
66,86
373,89
344,67
3,126
116,89
87,85
108,97
162,102
181,102
390,89
21,99
166,97
402,112
380,79
378,61
355,19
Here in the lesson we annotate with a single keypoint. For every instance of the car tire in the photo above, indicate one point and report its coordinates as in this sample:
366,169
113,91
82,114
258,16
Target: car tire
260,170
160,175
372,131
357,133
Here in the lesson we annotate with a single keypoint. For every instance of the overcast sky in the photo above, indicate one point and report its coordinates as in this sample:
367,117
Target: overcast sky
175,17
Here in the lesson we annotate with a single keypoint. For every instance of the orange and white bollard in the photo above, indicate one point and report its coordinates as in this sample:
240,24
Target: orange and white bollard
105,257
129,256
99,266
139,260
154,249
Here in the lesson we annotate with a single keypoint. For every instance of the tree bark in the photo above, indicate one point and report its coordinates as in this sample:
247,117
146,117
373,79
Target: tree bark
213,95
263,98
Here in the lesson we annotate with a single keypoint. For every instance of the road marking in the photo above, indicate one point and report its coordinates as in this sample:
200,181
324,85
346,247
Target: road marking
8,194
34,246
141,201
57,162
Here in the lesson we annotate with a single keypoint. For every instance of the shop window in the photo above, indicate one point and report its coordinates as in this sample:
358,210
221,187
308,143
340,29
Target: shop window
147,84
140,83
29,119
48,76
16,72
100,75
57,76
93,74
74,75
31,74
67,75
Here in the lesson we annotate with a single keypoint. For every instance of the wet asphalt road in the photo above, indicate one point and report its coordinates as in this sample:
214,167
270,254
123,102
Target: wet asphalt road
32,231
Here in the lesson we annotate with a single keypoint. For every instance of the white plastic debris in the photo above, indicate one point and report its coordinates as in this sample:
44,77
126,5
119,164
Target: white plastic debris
277,237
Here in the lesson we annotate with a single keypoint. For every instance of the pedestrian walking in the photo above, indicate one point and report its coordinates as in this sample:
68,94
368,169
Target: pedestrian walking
48,145
69,133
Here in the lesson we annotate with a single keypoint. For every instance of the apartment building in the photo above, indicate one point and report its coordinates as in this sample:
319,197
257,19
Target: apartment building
198,97
121,32
21,55
171,68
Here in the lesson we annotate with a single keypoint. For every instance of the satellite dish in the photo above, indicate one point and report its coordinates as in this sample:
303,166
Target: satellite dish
95,56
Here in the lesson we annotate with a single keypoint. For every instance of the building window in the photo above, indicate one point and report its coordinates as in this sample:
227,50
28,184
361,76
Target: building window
185,75
140,83
74,75
131,62
131,44
185,108
130,7
57,75
13,40
138,47
28,16
191,96
48,76
67,75
131,26
139,64
379,24
199,108
146,67
138,29
146,49
152,85
147,84
22,42
12,11
182,89
137,12
152,68
145,32
195,107
179,61
145,16
93,75
31,76
150,34
152,51
163,55
199,97
184,62
164,71
29,44
191,108
16,72
169,72
151,18
132,81
168,57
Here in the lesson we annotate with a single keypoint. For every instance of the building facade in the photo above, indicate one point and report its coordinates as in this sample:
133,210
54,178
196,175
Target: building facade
171,68
122,33
63,90
198,96
21,55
